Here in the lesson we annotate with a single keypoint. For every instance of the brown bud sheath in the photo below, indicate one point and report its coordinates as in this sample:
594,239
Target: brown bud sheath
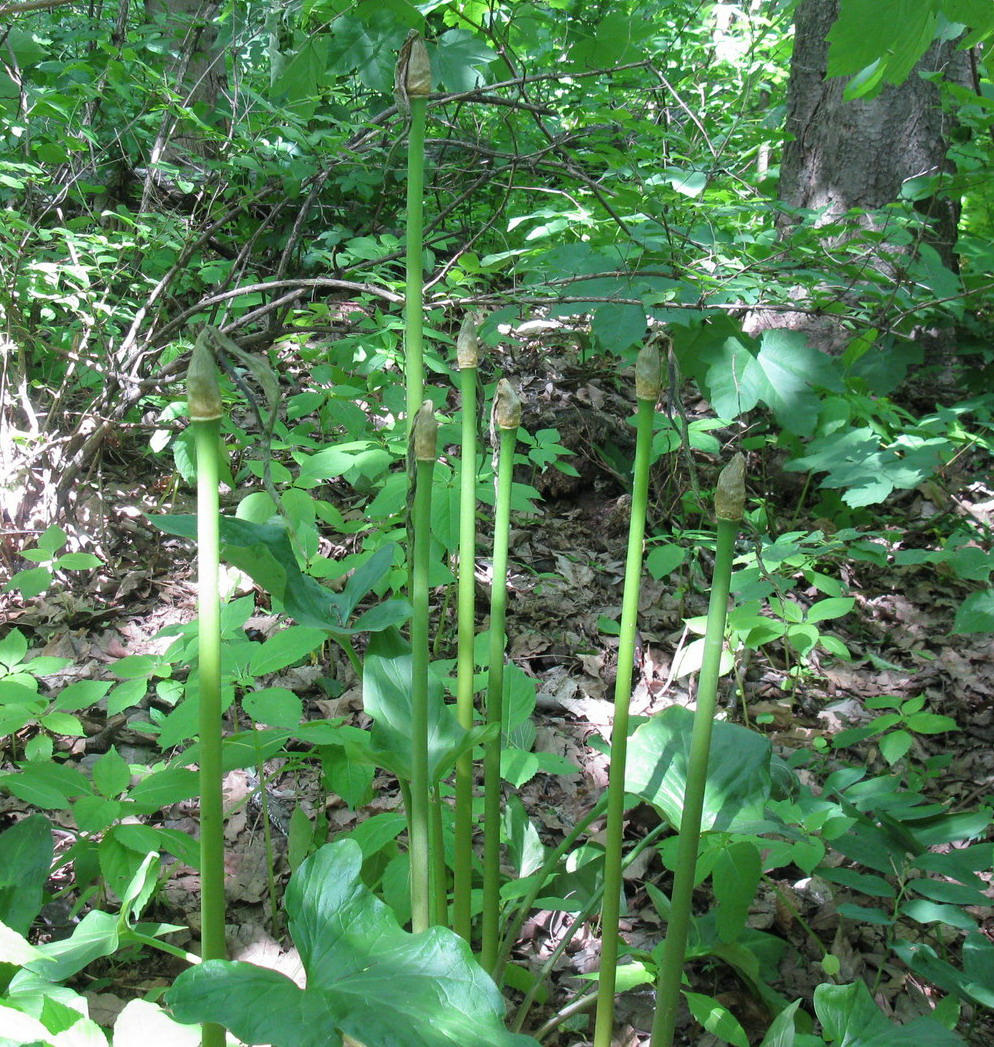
412,76
203,394
648,373
729,498
425,433
507,406
467,344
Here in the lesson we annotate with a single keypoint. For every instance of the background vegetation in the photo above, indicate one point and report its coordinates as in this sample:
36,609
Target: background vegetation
597,175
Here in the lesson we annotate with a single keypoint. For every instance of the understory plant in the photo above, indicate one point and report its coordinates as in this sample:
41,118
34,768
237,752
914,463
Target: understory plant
506,419
423,452
467,360
729,507
204,401
648,382
412,85
739,818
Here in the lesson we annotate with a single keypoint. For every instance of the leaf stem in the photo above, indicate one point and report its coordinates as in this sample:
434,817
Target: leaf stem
495,701
463,859
206,438
414,291
728,504
420,833
613,883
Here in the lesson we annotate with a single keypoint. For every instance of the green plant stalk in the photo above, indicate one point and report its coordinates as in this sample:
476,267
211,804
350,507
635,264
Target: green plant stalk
414,292
420,831
552,860
463,858
439,871
728,504
205,413
613,884
495,705
579,919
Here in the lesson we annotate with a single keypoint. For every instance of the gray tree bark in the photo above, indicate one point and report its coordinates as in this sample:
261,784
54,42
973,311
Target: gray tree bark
199,77
844,155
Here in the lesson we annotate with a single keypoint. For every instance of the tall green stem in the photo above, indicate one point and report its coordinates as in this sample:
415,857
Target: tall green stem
648,381
729,503
412,85
414,293
507,417
424,447
439,870
468,360
204,401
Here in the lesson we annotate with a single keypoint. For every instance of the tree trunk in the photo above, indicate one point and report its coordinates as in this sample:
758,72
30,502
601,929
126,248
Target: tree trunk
844,155
199,75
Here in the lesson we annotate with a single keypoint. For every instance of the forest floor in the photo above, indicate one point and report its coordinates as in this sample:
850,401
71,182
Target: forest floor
567,575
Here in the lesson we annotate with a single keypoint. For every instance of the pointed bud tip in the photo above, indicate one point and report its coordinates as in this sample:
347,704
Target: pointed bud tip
412,77
425,434
203,394
507,406
648,373
729,497
468,344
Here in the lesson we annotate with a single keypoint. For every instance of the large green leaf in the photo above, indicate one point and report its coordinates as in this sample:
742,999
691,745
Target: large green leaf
781,1033
460,60
25,858
784,375
739,780
264,553
386,697
975,981
366,976
881,40
850,1018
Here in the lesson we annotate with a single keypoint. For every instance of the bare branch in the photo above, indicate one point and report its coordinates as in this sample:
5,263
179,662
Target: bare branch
31,5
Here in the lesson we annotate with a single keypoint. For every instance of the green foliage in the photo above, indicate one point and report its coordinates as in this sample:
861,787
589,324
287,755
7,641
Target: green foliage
894,731
35,580
25,857
738,771
881,42
613,165
387,699
264,552
366,977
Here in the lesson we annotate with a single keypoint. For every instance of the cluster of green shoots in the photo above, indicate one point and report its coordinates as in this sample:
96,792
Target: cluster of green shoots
431,902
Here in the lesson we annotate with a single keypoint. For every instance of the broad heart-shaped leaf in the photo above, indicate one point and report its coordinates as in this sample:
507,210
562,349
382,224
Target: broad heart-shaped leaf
25,858
386,697
895,32
264,553
366,976
739,779
459,60
782,375
850,1018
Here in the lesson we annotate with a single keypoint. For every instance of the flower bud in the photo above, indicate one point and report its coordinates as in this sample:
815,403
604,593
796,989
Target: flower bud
412,76
203,394
507,406
729,498
648,372
425,433
467,344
